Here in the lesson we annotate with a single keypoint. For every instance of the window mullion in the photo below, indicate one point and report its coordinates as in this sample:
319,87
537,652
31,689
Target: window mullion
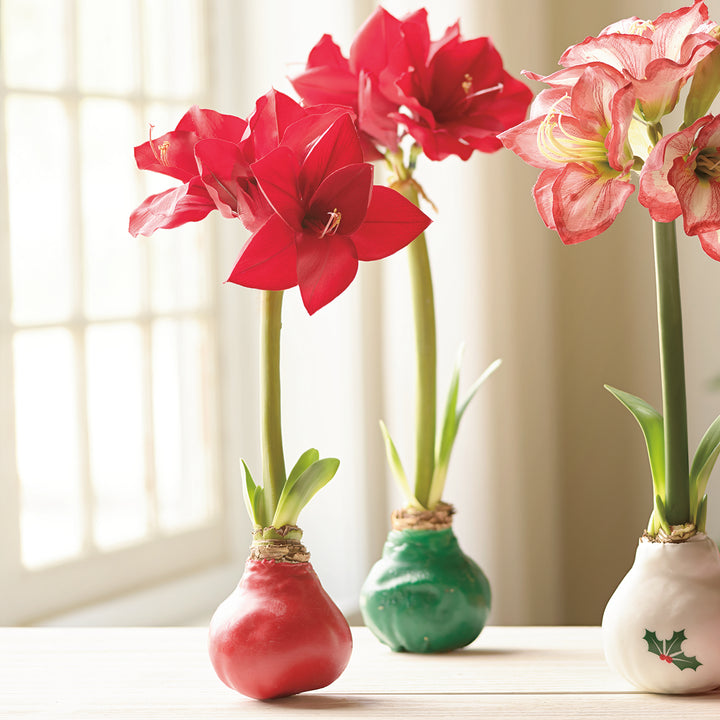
9,482
79,326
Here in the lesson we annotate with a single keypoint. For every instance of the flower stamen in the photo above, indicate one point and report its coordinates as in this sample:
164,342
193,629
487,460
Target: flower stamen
162,158
332,224
560,146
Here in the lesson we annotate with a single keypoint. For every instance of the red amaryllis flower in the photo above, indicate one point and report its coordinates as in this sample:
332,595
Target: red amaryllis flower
581,143
328,215
365,81
225,165
457,93
682,175
657,57
174,154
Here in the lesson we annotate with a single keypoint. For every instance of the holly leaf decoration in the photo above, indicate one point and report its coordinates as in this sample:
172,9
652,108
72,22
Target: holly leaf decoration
670,651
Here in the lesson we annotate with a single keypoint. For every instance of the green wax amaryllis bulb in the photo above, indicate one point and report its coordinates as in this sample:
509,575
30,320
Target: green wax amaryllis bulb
425,595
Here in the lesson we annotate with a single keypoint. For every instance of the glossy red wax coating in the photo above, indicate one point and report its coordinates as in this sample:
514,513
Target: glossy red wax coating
278,633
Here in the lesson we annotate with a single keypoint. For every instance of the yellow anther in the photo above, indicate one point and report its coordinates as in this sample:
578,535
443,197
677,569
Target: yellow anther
332,224
467,83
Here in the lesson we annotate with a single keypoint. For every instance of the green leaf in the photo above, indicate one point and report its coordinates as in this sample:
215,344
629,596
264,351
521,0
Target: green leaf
702,466
674,645
446,438
701,515
304,462
253,496
684,662
397,467
654,645
302,490
476,386
651,423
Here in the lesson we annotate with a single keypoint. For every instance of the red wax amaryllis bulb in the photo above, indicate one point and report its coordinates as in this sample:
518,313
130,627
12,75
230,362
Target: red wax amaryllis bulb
278,633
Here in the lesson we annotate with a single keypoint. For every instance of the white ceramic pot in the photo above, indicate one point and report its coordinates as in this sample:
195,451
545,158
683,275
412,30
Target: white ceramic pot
661,627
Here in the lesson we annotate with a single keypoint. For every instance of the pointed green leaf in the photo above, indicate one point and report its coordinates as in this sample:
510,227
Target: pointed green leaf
476,386
674,644
304,462
397,467
446,438
703,464
651,423
304,488
253,496
654,645
685,663
661,515
701,515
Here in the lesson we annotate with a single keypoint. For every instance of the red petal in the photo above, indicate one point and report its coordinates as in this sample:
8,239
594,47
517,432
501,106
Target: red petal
327,85
374,41
274,113
177,206
337,147
171,154
277,176
303,134
391,223
268,260
326,52
211,124
347,191
325,267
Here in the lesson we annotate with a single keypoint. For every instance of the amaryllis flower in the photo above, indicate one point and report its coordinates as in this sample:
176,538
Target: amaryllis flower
174,154
682,176
657,57
580,141
451,95
364,81
457,94
328,215
225,165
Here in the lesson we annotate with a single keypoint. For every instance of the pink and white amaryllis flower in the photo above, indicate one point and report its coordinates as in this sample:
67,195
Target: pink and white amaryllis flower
580,141
682,176
327,216
657,57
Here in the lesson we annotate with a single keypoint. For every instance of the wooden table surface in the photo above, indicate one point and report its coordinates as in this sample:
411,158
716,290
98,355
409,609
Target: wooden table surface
512,672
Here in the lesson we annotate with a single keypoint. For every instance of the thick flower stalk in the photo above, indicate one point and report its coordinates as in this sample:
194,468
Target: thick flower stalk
597,125
449,96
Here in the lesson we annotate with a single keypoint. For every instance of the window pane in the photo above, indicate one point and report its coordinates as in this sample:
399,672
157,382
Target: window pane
172,47
181,401
38,142
106,40
33,43
115,416
178,262
47,446
108,131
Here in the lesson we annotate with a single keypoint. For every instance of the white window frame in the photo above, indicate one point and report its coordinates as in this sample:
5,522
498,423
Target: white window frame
30,595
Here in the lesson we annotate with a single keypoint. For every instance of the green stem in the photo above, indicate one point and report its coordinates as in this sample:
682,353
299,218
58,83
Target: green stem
672,369
272,446
425,355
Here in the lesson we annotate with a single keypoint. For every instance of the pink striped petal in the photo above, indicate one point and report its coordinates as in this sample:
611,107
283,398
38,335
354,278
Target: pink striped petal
268,260
325,267
710,242
699,199
587,201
